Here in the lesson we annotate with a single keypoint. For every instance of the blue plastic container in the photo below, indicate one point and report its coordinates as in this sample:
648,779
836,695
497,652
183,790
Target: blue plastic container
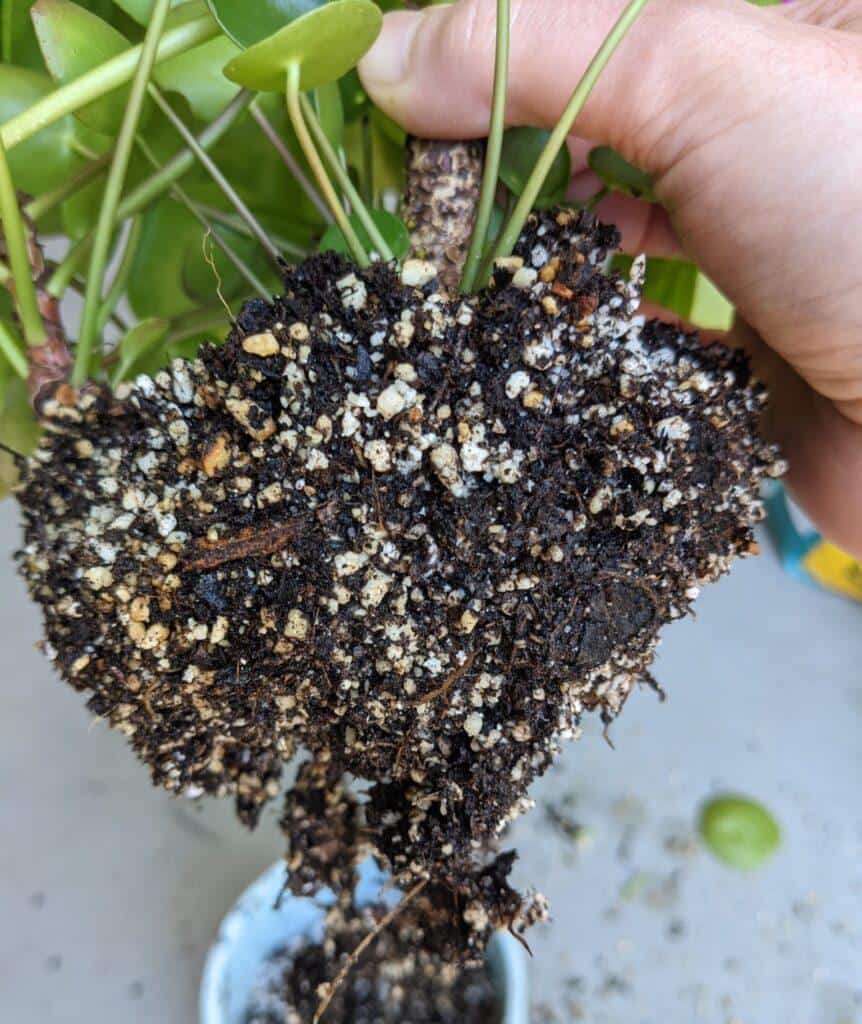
253,930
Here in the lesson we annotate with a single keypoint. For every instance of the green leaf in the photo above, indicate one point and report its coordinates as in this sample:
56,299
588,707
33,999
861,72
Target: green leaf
386,126
326,43
197,75
391,227
17,39
19,429
141,350
251,21
46,160
140,10
682,288
354,98
170,275
739,831
330,113
520,153
619,174
74,41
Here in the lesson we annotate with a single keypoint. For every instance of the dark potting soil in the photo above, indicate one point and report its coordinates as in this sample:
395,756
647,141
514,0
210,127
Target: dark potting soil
395,982
415,536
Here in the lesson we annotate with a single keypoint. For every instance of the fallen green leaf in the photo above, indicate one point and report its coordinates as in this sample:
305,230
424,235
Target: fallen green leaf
739,831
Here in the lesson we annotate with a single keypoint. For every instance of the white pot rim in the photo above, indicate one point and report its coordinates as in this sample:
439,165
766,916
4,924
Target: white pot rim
252,930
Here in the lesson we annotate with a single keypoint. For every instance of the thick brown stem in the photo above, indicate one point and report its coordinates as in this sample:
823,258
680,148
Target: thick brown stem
51,361
440,200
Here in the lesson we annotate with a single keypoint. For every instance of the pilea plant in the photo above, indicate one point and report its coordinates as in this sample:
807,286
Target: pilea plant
432,498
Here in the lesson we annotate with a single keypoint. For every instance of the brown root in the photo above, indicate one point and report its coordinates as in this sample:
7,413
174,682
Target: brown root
353,959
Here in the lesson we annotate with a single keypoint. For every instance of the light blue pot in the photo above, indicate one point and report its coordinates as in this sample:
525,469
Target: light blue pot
253,930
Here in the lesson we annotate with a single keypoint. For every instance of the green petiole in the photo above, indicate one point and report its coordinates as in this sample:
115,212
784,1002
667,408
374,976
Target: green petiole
230,221
290,161
103,79
113,190
514,224
150,190
121,277
38,207
230,193
10,347
182,196
294,109
343,178
491,171
19,262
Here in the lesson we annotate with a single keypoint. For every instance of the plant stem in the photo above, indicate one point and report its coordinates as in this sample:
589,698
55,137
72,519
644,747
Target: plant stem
493,149
594,201
512,229
10,347
206,161
113,190
103,79
294,109
19,262
290,161
79,285
150,190
48,201
121,278
343,178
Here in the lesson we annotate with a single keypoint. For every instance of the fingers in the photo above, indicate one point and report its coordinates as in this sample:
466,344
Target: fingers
432,70
822,446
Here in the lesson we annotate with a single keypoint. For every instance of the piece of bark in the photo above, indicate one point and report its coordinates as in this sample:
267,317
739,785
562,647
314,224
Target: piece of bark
441,195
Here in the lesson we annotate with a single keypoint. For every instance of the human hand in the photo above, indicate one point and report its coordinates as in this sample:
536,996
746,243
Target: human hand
748,119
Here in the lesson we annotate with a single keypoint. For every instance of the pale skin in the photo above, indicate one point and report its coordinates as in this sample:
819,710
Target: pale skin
750,121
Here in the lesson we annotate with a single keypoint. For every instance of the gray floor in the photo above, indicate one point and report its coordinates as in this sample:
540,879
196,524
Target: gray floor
111,891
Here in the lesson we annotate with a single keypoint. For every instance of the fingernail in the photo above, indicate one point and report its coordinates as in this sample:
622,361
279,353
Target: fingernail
385,64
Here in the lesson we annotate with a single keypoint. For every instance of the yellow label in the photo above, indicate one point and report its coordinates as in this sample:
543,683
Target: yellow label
835,569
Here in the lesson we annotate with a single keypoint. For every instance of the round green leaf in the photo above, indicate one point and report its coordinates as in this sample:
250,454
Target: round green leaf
19,428
391,227
326,43
330,113
619,174
17,40
739,831
141,350
354,98
170,275
140,10
386,126
251,21
73,41
46,160
520,153
197,75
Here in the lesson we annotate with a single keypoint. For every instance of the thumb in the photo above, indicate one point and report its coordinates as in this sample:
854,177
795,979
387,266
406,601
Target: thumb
432,70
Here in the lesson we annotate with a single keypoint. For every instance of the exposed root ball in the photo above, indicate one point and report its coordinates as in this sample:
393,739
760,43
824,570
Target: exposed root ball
416,536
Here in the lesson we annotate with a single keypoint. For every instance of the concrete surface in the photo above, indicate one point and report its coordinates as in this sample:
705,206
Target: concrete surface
111,891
